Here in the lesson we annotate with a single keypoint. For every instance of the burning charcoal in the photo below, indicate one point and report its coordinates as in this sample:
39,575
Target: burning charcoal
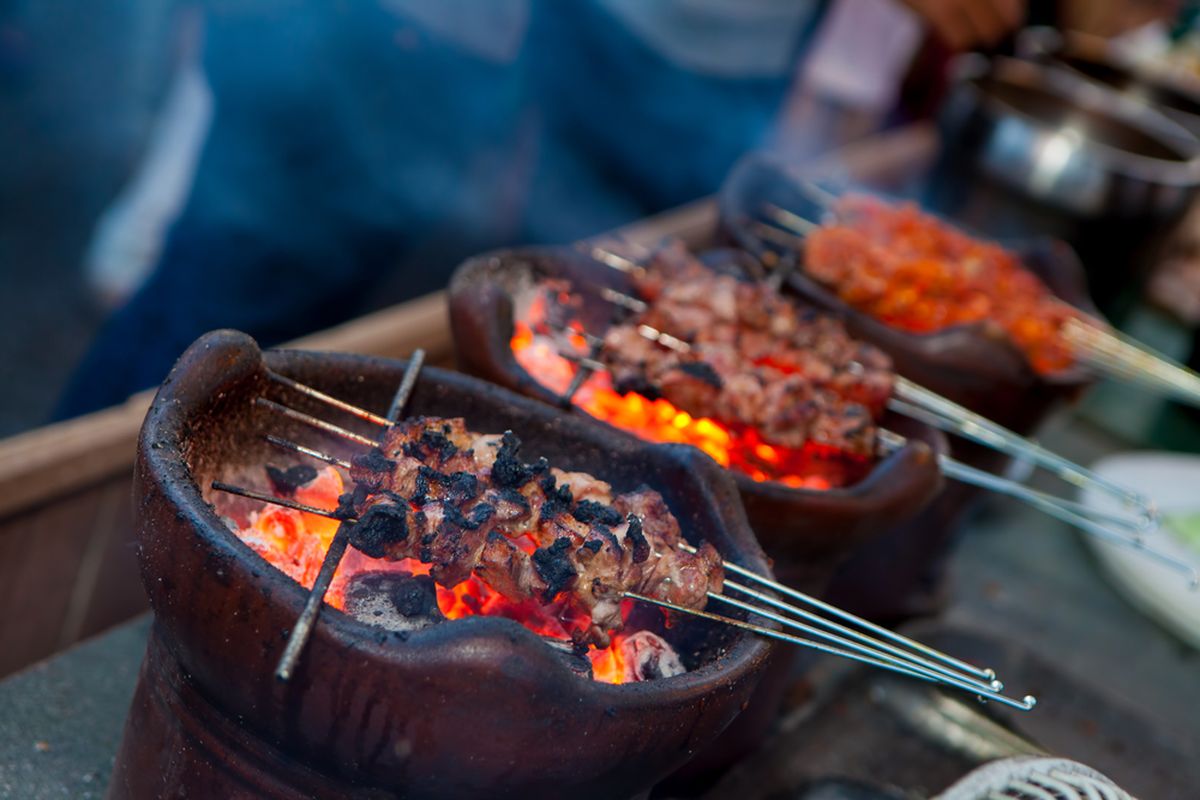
396,601
649,656
287,481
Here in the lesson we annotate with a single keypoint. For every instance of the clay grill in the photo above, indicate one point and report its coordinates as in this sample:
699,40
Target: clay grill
472,706
349,709
807,532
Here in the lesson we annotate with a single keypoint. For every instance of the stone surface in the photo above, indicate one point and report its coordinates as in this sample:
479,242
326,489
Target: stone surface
61,720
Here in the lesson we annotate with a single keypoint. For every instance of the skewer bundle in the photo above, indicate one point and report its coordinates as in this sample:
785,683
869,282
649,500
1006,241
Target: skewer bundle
806,621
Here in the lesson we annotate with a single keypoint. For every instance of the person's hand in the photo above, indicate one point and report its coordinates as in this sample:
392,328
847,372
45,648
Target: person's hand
963,24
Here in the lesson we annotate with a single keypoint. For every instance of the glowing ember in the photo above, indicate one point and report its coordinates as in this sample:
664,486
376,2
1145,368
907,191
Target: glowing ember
737,447
296,542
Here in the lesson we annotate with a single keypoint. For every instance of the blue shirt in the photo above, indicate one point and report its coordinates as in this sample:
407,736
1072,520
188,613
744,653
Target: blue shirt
359,151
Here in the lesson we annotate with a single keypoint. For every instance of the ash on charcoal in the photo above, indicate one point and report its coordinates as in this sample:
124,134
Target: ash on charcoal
396,601
648,656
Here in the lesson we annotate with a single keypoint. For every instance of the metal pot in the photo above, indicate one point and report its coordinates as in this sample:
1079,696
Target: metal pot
1067,143
1092,59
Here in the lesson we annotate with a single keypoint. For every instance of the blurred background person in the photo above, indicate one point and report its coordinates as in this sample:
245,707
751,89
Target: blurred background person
315,161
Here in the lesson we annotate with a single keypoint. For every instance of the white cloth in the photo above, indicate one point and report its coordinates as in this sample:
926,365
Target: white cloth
862,52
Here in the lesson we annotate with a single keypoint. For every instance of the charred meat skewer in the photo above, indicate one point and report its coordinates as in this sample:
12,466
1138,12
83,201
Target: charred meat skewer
853,640
752,358
464,502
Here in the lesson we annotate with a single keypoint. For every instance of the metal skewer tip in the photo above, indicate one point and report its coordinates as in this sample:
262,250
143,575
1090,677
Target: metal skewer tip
264,497
407,384
285,444
298,638
328,399
789,219
300,634
623,300
614,260
870,658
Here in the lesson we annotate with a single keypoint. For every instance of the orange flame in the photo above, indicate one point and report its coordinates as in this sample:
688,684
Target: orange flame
295,542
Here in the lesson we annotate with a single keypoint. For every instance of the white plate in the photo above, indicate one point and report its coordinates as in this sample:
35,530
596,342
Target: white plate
1172,480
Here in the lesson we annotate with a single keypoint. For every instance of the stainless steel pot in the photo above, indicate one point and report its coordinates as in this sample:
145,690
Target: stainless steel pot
1092,59
1070,144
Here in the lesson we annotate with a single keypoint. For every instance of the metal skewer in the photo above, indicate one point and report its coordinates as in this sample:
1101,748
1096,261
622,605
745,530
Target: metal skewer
916,401
300,634
313,422
848,649
847,634
1117,355
834,611
284,444
407,384
1074,514
341,405
778,236
586,366
264,497
818,194
789,220
609,258
1025,704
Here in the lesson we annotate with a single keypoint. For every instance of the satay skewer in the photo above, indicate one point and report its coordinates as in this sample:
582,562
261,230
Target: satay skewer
1079,516
836,639
729,566
915,401
754,577
1105,352
841,631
